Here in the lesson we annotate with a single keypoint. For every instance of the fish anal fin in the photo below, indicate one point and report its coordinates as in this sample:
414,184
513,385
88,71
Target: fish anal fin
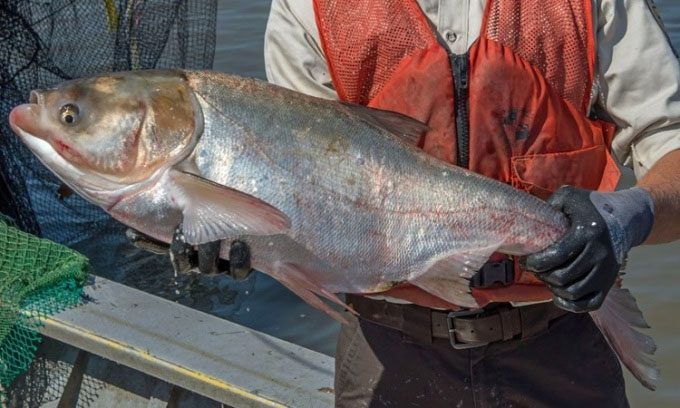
212,212
448,277
617,318
404,127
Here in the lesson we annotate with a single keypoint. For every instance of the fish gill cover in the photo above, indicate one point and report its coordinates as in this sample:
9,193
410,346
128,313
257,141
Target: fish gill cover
37,278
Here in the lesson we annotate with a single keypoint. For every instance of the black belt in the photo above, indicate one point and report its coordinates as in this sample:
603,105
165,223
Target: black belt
465,329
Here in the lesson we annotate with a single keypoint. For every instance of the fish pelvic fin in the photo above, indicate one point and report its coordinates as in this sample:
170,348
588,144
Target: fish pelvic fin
293,276
212,212
618,319
448,277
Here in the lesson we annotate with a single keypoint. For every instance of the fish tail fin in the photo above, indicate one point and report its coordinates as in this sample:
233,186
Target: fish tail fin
618,319
292,276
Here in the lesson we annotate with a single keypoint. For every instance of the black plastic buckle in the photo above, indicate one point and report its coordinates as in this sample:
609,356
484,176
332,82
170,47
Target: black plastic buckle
493,273
450,318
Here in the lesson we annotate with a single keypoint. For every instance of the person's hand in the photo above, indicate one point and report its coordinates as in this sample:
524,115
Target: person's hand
583,265
205,257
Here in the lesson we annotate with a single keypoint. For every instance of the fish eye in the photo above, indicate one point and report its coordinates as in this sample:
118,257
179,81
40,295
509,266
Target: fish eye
69,114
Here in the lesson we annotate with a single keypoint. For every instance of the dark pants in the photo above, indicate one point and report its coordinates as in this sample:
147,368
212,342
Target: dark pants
567,365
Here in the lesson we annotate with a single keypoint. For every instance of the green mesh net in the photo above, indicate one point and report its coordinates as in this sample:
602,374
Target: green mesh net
37,278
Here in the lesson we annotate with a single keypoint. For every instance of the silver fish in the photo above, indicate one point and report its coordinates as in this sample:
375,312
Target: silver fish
332,198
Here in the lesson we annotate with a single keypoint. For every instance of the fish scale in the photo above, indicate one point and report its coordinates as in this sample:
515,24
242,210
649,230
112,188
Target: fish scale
331,198
377,228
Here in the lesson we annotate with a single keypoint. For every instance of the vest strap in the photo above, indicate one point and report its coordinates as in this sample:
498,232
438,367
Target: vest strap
494,273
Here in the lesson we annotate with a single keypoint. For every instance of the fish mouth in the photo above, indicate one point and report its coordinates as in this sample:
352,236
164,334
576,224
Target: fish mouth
23,116
24,120
89,185
42,149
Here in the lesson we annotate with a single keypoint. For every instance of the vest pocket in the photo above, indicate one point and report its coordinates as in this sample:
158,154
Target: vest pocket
542,174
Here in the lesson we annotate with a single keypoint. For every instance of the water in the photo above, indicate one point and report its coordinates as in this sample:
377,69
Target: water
670,13
240,37
652,271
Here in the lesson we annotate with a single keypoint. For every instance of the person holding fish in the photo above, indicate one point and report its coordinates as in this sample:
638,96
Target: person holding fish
410,172
539,95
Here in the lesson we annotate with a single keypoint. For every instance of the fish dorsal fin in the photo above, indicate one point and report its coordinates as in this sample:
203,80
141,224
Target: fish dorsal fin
213,212
406,128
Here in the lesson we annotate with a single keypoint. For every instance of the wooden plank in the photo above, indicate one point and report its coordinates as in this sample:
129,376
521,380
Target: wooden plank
210,356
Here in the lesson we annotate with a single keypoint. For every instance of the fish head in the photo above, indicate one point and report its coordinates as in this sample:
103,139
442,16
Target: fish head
103,134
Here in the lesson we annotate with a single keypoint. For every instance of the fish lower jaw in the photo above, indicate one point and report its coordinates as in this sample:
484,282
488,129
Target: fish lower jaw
48,156
73,177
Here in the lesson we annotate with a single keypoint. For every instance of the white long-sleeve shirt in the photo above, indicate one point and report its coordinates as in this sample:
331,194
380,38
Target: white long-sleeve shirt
637,80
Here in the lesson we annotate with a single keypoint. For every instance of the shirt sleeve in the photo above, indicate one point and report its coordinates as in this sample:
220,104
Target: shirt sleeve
292,52
639,82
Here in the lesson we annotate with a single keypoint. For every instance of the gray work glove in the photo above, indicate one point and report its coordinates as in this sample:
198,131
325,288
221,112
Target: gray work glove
583,265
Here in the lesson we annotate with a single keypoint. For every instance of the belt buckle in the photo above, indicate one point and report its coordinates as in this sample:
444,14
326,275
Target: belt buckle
452,330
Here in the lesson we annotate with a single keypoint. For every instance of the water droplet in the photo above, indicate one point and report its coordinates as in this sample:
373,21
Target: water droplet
247,292
593,224
303,315
247,309
270,243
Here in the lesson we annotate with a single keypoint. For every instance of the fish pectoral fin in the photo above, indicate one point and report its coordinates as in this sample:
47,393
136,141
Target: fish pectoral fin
448,277
212,212
404,127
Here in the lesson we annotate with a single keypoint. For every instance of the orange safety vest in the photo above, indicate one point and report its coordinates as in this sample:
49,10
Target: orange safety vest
514,108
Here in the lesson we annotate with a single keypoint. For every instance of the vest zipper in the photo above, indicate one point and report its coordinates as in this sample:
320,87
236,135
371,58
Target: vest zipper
460,67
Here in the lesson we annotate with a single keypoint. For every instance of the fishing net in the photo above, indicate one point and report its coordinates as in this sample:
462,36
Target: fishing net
43,43
37,278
